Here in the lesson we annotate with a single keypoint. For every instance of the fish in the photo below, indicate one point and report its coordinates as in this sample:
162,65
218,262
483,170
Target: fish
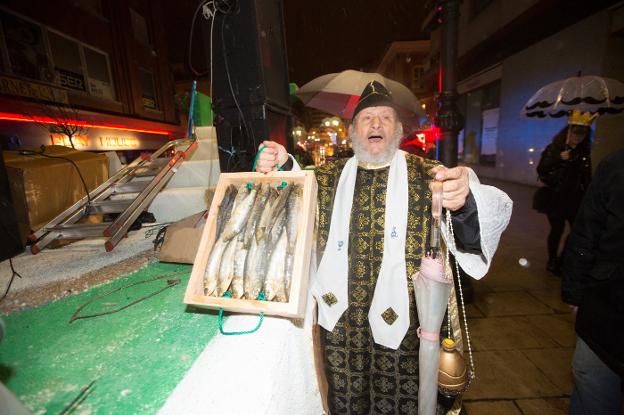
240,259
280,204
278,226
256,213
265,217
225,209
211,276
255,270
293,206
226,268
288,276
240,214
274,287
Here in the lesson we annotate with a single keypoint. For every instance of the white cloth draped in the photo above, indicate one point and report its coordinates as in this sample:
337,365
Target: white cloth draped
391,293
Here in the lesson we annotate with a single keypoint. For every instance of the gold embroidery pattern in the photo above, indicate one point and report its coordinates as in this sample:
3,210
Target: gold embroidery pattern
373,379
330,299
389,316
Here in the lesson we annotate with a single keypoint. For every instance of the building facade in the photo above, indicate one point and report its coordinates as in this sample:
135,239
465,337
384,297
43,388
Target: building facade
506,52
405,62
102,63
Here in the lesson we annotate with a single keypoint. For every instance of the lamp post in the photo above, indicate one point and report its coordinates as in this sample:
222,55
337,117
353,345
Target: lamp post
448,117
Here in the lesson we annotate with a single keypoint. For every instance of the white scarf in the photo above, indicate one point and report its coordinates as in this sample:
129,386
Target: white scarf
391,297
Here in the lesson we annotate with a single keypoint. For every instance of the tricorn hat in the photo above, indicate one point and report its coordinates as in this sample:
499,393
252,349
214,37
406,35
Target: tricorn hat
374,95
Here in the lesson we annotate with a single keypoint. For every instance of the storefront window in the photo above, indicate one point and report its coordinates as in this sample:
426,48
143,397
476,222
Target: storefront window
148,91
25,48
67,62
99,75
480,134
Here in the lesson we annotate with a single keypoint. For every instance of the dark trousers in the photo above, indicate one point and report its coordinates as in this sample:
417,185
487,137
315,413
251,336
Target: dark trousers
557,220
597,389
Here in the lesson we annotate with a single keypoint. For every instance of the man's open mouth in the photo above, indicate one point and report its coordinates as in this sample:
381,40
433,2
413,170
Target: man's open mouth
375,138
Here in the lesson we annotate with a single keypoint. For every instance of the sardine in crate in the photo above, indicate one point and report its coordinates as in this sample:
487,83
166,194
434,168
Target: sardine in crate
295,307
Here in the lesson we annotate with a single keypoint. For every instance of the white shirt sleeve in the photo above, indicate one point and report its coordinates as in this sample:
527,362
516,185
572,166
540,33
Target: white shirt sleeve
494,211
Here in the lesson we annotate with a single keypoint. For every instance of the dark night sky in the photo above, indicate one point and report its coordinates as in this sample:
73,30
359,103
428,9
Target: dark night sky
322,36
325,36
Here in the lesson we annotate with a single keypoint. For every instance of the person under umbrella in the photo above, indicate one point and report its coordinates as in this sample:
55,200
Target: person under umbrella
565,169
373,223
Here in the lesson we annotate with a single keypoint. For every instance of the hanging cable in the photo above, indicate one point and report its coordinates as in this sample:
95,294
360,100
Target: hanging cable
209,11
15,274
227,72
42,153
198,74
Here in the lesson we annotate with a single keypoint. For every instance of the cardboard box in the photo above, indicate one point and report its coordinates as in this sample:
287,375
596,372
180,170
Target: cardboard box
295,307
43,187
182,239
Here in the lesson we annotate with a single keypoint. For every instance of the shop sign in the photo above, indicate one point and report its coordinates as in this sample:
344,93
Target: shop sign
118,142
71,80
63,140
14,86
101,89
149,103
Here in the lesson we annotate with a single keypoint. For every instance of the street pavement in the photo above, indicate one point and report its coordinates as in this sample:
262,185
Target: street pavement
522,333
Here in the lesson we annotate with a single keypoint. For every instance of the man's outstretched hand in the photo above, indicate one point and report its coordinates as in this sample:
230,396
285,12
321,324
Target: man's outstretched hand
455,187
273,156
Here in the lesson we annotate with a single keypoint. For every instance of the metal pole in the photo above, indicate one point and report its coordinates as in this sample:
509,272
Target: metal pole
448,117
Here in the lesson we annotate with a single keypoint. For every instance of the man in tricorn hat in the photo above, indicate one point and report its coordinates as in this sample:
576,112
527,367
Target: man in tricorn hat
373,223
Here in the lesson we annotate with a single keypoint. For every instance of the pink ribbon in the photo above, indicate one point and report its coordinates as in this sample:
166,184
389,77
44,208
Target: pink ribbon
432,269
427,335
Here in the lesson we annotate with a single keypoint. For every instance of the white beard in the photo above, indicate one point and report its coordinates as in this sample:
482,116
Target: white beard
379,159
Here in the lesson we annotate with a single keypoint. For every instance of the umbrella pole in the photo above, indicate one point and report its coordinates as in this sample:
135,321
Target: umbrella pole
448,117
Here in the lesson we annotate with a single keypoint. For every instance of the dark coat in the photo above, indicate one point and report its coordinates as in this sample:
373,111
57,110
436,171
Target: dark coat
566,180
593,269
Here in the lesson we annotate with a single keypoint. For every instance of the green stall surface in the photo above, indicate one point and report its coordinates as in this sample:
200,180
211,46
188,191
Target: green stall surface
135,356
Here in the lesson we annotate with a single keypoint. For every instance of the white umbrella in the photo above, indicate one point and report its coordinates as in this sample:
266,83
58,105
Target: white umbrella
593,94
432,290
338,93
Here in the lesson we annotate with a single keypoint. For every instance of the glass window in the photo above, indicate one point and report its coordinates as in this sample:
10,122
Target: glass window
417,74
67,62
25,48
148,90
99,76
480,134
139,27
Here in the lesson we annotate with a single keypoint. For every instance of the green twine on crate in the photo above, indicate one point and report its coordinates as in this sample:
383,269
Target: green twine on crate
228,294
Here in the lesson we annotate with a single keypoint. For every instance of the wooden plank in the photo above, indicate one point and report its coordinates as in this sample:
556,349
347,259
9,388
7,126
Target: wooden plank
295,307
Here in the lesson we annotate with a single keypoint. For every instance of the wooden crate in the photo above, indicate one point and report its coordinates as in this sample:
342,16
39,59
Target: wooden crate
295,307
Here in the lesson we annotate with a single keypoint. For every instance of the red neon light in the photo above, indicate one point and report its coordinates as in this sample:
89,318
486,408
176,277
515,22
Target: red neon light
7,116
440,80
351,104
